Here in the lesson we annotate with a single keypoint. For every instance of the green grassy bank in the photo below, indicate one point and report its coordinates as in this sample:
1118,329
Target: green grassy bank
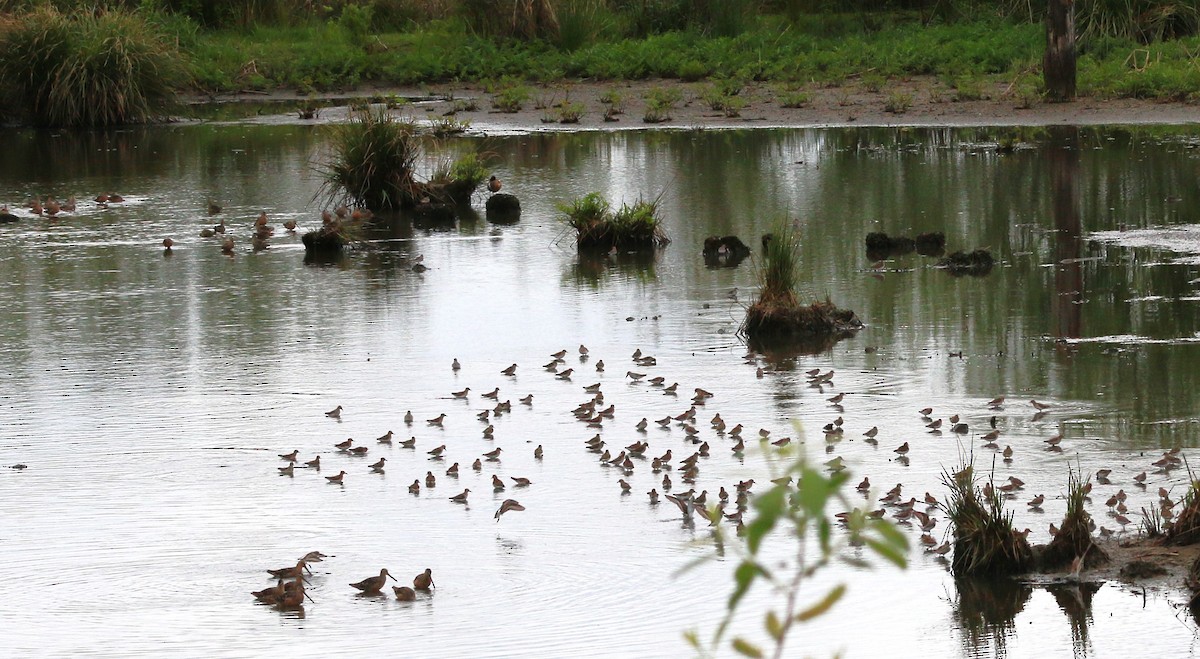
345,45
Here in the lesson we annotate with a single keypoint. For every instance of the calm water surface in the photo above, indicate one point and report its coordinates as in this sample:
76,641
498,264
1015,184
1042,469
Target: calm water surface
149,394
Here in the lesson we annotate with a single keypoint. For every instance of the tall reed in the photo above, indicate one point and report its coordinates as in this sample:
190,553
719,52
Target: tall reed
373,161
88,69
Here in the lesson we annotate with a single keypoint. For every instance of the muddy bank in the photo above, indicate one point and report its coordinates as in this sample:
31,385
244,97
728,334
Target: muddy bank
932,104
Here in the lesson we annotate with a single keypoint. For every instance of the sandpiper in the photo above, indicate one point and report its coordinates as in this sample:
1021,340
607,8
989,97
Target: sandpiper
511,370
509,504
385,439
436,421
430,481
461,498
290,457
373,584
404,593
335,413
336,479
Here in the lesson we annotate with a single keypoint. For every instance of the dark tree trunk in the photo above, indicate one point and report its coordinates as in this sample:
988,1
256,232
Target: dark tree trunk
1058,66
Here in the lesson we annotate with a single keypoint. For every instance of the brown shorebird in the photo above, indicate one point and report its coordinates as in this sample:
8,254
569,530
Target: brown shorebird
492,455
415,488
386,439
290,457
1039,406
537,452
424,580
344,446
430,481
335,413
461,394
460,498
404,593
373,584
528,400
167,244
521,482
902,449
378,466
336,479
509,504
494,184
497,484
437,421
290,572
315,463
454,365
358,450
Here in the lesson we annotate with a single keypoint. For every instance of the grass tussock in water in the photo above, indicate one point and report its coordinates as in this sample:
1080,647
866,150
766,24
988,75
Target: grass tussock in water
1074,537
373,161
373,164
777,312
1185,530
599,228
87,69
985,542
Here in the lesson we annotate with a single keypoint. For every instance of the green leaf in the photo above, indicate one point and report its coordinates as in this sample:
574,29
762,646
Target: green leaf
692,638
774,627
822,606
890,533
770,505
746,648
888,551
744,577
813,490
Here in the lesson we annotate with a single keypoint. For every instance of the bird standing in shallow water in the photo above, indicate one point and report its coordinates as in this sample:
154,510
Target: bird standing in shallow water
373,584
424,580
494,184
404,593
335,413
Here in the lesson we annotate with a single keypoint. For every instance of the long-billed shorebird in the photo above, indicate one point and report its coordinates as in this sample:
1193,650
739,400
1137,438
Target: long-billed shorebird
373,584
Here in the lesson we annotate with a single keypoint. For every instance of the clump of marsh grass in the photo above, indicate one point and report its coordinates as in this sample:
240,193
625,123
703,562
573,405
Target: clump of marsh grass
600,228
1074,538
456,181
373,162
777,312
985,542
1185,530
88,69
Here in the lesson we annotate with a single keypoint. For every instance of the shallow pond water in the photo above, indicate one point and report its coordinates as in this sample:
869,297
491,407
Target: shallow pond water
149,394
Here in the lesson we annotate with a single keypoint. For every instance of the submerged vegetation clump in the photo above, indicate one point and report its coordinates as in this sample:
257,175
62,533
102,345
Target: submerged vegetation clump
88,69
777,312
599,228
977,263
985,542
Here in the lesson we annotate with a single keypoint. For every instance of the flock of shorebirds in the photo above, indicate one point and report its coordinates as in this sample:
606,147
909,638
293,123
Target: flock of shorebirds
728,502
291,594
261,232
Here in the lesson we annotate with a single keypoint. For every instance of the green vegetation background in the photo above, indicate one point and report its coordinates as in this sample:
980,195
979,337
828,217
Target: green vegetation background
1128,48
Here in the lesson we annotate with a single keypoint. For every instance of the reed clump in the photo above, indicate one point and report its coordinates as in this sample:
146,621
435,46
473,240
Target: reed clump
1185,529
88,69
777,312
1074,538
600,228
458,180
373,161
985,542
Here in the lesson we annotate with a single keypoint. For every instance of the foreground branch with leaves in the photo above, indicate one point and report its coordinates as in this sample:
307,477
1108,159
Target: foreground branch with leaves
796,522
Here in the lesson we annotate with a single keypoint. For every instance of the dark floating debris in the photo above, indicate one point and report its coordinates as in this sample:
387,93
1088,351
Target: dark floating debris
880,246
976,264
931,244
726,251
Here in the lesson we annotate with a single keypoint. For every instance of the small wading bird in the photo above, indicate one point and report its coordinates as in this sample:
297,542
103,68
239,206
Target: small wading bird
493,184
373,584
508,505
